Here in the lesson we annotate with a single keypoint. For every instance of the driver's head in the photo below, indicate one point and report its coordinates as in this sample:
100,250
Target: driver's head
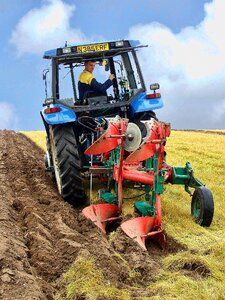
89,65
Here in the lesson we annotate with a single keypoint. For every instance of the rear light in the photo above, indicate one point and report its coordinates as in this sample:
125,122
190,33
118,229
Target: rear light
153,96
51,110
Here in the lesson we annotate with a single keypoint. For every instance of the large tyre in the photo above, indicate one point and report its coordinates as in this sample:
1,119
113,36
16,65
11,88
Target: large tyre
202,206
66,163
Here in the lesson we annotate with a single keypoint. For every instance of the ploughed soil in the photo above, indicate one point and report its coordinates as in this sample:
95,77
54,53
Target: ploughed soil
41,235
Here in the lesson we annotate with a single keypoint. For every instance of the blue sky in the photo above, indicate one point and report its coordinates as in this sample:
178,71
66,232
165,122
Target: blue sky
186,56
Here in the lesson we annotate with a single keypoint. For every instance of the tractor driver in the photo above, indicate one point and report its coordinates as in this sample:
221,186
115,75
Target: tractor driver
87,82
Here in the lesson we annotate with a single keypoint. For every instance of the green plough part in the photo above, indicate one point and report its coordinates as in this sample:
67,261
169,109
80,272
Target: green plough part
148,209
186,177
109,198
144,208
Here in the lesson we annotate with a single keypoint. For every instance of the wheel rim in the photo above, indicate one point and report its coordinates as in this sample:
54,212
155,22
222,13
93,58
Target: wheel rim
55,163
196,208
47,160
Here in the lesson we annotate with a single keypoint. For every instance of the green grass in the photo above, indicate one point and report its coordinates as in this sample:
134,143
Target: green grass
206,152
84,278
205,246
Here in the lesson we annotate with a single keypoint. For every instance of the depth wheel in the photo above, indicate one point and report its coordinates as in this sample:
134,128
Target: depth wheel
66,163
202,206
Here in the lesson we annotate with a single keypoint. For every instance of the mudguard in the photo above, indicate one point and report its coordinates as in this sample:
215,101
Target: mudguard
65,115
141,104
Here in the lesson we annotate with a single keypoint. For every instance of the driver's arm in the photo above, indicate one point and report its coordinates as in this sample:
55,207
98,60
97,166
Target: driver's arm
101,87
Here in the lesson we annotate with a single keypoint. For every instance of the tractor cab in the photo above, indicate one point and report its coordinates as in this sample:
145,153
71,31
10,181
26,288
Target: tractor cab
126,98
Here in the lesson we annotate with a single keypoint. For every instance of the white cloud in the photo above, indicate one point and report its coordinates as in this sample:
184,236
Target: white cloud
190,66
45,28
8,117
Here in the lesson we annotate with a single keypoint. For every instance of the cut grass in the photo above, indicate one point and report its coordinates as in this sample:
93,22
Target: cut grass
206,152
206,246
85,279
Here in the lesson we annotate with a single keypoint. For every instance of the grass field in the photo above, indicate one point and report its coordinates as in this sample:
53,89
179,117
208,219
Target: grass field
205,246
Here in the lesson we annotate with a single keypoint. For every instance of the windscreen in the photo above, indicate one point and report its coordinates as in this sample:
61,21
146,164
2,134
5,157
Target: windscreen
69,77
123,66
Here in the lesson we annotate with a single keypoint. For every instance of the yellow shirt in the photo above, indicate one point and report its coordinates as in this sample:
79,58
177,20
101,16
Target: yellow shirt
86,77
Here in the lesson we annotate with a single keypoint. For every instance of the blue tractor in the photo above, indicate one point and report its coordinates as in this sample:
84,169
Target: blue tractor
71,127
114,137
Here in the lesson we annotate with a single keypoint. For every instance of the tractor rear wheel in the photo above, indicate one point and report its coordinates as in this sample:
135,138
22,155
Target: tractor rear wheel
202,206
66,163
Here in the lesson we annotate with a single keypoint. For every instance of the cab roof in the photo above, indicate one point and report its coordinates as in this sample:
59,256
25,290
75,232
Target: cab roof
98,50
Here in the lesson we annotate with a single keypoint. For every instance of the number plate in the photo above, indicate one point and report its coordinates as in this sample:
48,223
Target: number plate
93,48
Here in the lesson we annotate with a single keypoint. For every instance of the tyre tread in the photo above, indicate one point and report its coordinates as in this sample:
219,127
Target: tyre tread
68,163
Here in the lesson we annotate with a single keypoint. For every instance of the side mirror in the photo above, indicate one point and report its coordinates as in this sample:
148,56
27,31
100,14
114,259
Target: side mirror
107,67
104,63
44,75
154,86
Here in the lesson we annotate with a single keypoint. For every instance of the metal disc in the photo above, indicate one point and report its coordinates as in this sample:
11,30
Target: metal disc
133,137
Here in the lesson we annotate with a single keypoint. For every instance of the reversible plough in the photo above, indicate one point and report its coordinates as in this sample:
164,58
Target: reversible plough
145,165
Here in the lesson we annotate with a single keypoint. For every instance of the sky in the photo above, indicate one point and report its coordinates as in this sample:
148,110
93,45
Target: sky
186,53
